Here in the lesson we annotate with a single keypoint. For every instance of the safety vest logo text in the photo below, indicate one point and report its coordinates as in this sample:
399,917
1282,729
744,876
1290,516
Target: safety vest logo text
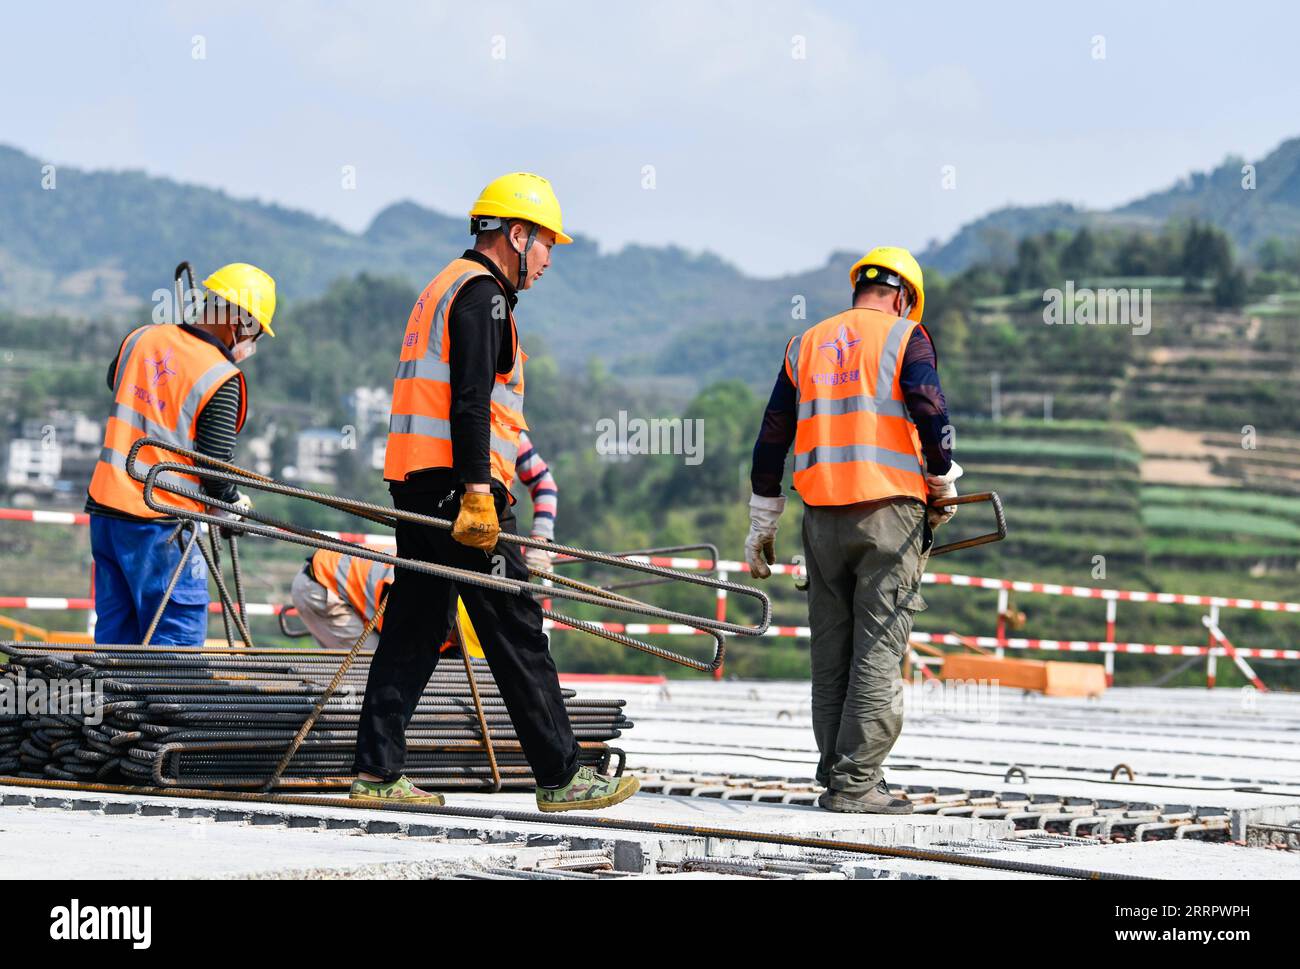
836,350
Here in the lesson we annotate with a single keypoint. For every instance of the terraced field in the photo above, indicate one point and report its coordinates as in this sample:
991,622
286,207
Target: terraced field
1168,464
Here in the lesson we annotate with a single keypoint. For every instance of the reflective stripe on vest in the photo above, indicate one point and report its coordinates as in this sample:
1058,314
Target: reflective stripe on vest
419,428
165,376
358,582
854,440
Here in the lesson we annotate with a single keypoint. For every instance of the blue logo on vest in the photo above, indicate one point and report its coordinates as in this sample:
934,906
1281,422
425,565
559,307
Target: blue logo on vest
161,370
836,348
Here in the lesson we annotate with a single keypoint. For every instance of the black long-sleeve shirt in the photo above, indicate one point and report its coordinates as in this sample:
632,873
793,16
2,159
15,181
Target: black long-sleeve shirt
482,346
922,395
215,431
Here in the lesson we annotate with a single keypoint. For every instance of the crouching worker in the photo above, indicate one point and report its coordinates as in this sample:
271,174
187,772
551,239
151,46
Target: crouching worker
336,595
179,383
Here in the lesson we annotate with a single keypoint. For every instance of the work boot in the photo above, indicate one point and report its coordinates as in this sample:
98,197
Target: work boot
400,791
587,791
878,800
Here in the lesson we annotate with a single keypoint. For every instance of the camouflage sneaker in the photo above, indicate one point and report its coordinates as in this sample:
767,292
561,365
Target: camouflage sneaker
587,792
878,800
400,790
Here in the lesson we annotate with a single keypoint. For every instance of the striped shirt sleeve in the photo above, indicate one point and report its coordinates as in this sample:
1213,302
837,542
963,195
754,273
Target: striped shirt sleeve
535,474
215,434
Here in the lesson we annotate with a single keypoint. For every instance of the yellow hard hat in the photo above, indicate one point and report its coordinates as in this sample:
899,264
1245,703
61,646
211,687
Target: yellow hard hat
247,287
884,262
522,195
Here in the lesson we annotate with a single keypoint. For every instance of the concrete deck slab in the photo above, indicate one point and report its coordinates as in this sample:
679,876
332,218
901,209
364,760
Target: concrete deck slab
1185,746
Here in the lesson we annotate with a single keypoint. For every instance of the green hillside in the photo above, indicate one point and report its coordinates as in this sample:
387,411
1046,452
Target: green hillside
99,243
1271,209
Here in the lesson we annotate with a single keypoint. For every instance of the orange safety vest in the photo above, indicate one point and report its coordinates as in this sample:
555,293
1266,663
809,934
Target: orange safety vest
854,440
419,428
358,582
164,378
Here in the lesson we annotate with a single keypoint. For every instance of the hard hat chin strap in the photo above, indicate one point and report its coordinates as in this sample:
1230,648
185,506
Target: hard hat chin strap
523,253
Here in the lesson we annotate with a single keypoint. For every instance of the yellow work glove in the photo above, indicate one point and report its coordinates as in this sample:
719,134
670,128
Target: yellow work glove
477,525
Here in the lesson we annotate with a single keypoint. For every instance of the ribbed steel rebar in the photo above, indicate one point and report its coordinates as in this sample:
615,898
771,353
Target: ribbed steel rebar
223,719
260,524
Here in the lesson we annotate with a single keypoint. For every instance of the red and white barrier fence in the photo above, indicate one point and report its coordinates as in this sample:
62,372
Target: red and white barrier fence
1217,645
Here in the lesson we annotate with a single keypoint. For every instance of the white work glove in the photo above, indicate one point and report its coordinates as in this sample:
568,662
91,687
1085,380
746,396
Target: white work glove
241,501
940,486
760,545
539,558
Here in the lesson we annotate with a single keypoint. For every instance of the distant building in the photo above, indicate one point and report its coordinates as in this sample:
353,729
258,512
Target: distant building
257,454
33,463
370,409
55,454
316,454
378,450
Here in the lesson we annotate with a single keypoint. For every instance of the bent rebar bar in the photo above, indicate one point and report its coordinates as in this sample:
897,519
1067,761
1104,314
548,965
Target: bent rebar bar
260,524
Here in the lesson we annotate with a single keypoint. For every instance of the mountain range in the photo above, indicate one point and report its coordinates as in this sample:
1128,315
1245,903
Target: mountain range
98,243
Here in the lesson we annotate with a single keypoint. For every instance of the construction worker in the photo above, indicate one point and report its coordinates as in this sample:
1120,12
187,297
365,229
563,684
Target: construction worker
453,440
859,397
180,383
337,594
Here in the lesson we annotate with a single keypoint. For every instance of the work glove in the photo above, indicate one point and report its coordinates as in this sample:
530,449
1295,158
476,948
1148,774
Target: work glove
760,545
539,558
477,525
242,502
939,486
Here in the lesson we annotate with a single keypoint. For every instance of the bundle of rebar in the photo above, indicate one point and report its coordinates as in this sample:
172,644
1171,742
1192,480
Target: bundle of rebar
222,719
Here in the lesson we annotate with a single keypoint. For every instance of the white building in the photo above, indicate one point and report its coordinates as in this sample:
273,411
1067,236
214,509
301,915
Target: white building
370,409
318,448
257,454
33,463
55,453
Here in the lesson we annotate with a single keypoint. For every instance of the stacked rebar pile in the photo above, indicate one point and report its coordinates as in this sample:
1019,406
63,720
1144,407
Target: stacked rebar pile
11,738
223,718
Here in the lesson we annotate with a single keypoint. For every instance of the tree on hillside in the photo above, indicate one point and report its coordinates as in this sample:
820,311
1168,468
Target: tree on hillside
728,413
1278,255
1206,253
1079,256
1230,289
1033,268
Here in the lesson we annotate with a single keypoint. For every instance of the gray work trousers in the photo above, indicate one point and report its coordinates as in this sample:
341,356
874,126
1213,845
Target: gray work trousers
864,569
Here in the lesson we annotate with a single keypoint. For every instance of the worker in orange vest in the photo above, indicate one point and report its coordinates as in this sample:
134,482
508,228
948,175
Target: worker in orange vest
453,439
858,395
181,383
336,595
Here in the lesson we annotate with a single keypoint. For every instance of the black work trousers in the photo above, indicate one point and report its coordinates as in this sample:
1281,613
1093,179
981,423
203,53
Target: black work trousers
509,627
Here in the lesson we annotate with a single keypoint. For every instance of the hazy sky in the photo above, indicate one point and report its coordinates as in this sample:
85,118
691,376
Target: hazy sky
770,159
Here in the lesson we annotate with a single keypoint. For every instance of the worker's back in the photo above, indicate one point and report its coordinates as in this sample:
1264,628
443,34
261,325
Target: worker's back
854,441
164,377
